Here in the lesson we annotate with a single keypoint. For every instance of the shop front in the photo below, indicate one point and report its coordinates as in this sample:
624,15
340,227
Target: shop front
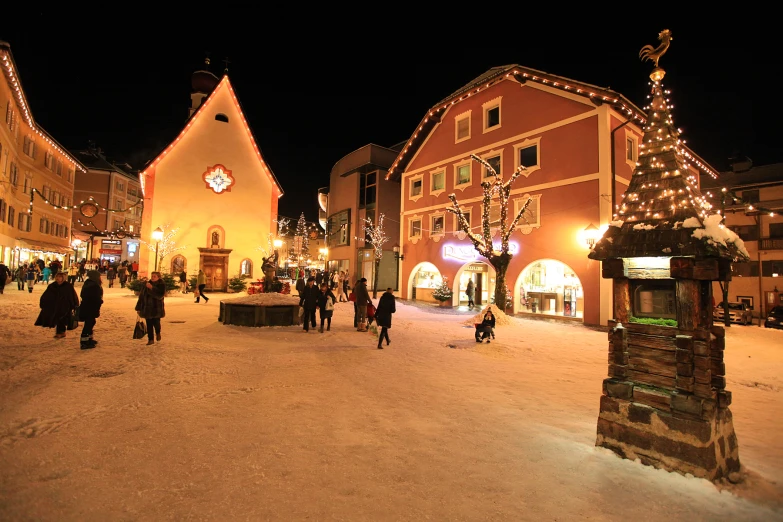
479,273
111,250
550,287
425,278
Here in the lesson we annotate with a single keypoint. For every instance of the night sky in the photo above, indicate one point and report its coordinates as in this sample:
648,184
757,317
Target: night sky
318,88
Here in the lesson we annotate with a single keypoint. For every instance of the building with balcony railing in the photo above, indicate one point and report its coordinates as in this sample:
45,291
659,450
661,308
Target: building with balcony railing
752,201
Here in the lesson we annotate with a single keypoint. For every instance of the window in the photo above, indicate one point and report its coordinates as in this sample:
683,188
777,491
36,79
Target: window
3,210
746,232
532,216
414,229
49,161
55,198
491,115
528,157
369,215
437,182
653,299
221,117
13,174
58,167
415,187
28,183
11,215
338,229
466,214
495,162
29,146
494,216
462,175
120,186
119,205
46,191
70,175
436,225
462,127
245,268
630,149
368,189
750,196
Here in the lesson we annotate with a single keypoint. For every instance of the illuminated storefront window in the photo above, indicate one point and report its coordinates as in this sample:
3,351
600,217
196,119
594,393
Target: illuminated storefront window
425,280
550,287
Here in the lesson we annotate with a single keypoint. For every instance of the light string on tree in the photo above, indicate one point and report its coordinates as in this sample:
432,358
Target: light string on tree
747,207
376,234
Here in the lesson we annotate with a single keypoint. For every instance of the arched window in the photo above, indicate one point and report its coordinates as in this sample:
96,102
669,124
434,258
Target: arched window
177,264
246,268
221,117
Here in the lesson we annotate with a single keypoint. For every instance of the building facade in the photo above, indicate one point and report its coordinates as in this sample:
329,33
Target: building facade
36,180
752,204
210,193
579,144
359,189
113,192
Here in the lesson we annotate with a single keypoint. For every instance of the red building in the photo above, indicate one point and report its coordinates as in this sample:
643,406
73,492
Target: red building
574,138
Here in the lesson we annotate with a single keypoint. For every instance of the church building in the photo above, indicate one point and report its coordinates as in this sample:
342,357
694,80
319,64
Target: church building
210,198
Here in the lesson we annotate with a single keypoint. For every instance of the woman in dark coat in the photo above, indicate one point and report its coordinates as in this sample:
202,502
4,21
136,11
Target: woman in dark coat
150,305
383,315
486,328
90,309
57,305
325,307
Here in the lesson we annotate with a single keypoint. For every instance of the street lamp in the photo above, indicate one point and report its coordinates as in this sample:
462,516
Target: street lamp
157,235
397,255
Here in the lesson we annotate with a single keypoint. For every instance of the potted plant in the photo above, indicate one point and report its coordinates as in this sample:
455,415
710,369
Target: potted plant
443,293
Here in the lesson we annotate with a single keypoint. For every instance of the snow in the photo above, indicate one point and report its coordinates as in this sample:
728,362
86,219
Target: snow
220,422
715,233
616,223
268,299
642,226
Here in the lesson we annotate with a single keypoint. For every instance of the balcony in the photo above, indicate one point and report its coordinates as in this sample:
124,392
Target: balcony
771,243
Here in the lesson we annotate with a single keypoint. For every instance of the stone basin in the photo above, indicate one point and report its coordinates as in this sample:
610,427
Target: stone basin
257,311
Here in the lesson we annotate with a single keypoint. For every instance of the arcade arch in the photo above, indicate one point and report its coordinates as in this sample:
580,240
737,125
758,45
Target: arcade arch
483,276
549,287
424,279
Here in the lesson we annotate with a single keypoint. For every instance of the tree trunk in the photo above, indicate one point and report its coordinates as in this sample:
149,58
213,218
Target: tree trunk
724,286
500,263
375,280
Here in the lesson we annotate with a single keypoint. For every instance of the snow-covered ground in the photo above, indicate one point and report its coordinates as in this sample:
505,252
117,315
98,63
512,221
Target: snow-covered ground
231,423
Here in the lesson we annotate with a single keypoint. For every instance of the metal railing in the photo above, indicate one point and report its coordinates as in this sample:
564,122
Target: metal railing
771,244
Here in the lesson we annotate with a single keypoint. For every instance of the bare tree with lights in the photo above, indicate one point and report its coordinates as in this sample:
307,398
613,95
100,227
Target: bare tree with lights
377,237
165,246
499,259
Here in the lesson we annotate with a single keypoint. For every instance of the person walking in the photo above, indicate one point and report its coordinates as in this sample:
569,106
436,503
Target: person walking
150,305
308,300
383,316
4,277
31,277
57,305
21,277
183,282
122,275
470,291
326,302
90,309
362,298
111,275
73,272
47,273
201,281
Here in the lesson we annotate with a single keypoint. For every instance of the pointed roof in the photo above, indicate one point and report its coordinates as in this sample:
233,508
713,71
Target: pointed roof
224,84
663,213
518,73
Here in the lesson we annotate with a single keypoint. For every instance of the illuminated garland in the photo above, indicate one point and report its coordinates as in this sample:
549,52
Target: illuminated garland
90,201
732,195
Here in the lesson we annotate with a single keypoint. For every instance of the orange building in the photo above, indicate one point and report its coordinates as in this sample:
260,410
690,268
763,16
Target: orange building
210,191
574,138
36,180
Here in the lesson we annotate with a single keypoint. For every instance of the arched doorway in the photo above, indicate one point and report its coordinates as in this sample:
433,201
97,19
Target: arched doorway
549,287
425,278
483,276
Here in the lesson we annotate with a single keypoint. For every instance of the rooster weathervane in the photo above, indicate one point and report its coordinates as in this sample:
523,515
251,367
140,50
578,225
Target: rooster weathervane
654,54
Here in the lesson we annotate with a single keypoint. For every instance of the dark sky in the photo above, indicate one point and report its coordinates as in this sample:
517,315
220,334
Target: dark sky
317,88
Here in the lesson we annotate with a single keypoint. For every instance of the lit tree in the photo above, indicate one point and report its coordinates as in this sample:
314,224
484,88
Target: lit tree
499,259
282,225
165,246
377,237
301,232
268,249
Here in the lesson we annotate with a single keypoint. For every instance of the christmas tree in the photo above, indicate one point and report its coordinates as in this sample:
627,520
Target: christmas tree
443,292
301,232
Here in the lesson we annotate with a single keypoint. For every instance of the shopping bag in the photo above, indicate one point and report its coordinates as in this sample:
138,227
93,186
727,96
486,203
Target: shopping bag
140,330
73,320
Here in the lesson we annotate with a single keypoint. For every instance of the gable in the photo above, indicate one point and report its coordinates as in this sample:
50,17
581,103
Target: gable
217,133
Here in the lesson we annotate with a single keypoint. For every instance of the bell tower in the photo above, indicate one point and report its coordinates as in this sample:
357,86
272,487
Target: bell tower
202,83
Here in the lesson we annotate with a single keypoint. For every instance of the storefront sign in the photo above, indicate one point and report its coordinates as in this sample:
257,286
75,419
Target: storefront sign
110,251
476,268
462,252
111,242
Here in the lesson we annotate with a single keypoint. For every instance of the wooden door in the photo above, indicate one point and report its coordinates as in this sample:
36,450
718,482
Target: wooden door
215,270
478,289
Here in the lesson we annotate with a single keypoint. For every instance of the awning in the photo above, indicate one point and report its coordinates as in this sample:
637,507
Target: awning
45,248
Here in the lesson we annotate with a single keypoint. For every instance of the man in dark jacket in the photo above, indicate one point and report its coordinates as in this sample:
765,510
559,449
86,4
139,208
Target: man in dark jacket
383,315
4,273
90,309
308,299
57,305
300,286
362,298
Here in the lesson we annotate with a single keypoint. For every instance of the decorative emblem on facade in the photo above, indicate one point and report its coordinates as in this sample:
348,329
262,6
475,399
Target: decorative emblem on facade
89,210
218,179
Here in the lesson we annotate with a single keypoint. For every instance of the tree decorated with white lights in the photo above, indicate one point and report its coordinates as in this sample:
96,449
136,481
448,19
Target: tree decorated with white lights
165,246
301,238
375,235
494,188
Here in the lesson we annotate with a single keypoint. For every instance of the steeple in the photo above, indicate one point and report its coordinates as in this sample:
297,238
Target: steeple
202,83
663,204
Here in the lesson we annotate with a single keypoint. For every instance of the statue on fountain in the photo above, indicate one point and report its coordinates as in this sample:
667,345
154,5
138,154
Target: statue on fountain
269,268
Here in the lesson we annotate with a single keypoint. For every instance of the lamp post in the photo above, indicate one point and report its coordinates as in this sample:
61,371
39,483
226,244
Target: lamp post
157,235
398,256
75,244
324,253
591,234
